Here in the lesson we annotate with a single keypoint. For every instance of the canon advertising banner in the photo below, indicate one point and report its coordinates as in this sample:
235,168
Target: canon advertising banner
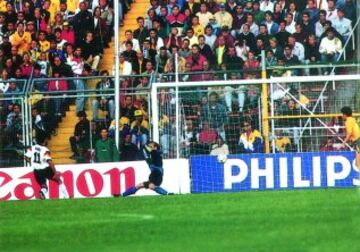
94,180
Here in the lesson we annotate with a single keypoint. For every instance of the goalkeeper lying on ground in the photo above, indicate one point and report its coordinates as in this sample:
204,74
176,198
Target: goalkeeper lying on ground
153,157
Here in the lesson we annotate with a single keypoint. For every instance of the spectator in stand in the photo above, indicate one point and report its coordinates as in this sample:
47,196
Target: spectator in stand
82,22
290,23
189,138
60,42
259,15
253,27
246,38
193,40
104,102
331,12
21,39
291,59
197,27
239,20
297,48
138,66
216,114
80,141
65,12
242,49
59,86
260,46
163,18
162,58
312,54
37,122
342,25
142,32
42,85
196,59
266,5
149,54
91,51
26,66
128,150
173,39
67,33
223,17
250,140
54,52
139,129
125,66
299,34
251,66
231,60
43,43
156,42
282,143
282,35
105,148
100,29
229,39
330,47
204,15
279,13
207,135
185,49
263,35
205,48
219,148
320,25
176,18
220,50
270,59
313,12
277,50
350,10
214,25
210,38
160,31
128,109
307,26
271,26
14,126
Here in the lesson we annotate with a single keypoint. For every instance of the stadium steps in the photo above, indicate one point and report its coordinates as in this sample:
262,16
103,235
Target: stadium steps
59,144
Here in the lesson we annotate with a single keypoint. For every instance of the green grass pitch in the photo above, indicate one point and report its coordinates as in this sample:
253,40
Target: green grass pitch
304,220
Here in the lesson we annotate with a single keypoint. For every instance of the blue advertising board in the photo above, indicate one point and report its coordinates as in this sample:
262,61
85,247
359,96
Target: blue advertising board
273,171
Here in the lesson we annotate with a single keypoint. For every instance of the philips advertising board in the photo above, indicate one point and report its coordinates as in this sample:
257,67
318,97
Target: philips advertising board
273,171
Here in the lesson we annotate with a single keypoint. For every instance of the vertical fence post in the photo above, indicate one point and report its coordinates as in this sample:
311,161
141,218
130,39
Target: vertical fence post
177,113
264,102
117,77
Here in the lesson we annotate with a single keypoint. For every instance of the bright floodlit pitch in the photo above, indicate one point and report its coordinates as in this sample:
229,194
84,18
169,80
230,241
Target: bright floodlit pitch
306,220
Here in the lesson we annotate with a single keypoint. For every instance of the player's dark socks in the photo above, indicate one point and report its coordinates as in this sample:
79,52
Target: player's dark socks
160,190
130,191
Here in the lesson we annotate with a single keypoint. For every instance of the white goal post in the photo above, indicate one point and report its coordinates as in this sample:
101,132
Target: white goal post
206,84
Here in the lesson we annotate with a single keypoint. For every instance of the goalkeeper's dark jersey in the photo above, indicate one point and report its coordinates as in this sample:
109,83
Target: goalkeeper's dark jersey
154,159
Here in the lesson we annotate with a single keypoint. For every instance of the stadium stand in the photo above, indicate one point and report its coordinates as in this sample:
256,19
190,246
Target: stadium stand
214,40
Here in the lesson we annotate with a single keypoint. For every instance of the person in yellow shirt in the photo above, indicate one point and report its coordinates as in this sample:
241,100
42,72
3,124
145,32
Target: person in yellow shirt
139,129
43,43
72,5
3,6
352,133
197,27
282,143
21,39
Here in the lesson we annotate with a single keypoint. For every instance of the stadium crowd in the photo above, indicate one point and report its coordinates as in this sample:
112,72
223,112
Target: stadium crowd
213,40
